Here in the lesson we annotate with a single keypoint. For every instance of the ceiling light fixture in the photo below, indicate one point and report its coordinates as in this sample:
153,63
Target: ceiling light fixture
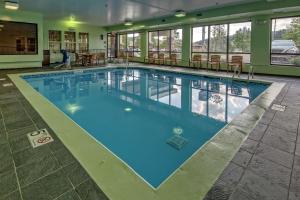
180,13
11,5
128,22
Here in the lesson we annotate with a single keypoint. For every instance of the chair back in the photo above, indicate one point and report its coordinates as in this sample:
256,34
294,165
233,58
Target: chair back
237,59
130,54
161,56
215,58
150,55
173,57
197,58
122,54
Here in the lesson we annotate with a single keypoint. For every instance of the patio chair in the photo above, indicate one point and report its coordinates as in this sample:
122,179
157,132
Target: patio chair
196,61
236,61
150,58
172,60
215,61
161,59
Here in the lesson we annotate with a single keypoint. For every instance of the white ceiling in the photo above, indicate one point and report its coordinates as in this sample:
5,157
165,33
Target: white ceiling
109,12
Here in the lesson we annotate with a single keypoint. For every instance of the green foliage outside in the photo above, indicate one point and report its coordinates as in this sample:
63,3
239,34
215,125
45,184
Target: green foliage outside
293,31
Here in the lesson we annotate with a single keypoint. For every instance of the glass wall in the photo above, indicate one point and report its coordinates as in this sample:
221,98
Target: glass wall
111,45
165,41
18,38
285,43
130,43
225,40
54,41
70,41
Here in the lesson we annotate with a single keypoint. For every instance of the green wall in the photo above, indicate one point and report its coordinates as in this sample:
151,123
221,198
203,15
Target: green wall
94,35
24,61
20,61
259,13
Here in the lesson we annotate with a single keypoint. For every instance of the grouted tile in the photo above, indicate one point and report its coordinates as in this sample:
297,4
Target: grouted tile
2,128
239,194
6,159
275,155
242,158
31,155
281,139
31,172
258,132
70,195
275,173
250,145
13,196
261,189
17,121
295,184
76,173
19,143
267,117
90,191
286,120
232,174
220,190
8,182
47,188
21,131
64,156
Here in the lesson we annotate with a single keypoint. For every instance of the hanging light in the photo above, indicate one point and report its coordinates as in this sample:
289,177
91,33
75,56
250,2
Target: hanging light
128,22
11,5
180,13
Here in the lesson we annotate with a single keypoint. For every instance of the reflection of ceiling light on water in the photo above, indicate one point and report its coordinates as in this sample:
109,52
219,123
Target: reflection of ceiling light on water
128,109
73,108
177,131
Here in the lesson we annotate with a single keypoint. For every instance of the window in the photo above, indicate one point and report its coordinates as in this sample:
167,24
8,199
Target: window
54,41
240,40
70,41
226,40
285,43
165,41
18,38
111,45
83,42
130,43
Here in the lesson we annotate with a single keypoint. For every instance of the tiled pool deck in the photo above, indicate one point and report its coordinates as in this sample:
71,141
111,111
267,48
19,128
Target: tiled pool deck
266,167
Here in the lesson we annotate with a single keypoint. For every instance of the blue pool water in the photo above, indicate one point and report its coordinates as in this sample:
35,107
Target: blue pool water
152,120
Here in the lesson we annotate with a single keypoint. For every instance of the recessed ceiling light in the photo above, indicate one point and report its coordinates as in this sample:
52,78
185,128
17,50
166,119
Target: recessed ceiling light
11,5
180,13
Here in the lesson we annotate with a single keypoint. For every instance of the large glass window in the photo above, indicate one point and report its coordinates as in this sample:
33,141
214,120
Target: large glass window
54,41
70,41
83,42
165,41
285,41
130,43
18,38
226,40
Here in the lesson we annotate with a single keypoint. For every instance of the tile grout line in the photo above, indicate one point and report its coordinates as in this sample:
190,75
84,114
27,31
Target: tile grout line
13,160
294,155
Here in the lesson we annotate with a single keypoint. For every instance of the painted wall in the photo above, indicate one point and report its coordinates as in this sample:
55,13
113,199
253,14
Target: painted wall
19,61
259,13
95,41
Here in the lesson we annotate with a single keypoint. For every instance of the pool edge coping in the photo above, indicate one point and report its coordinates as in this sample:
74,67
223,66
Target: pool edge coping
218,151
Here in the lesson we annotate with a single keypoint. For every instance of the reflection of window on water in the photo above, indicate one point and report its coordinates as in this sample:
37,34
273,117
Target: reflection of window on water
215,98
202,95
236,90
215,87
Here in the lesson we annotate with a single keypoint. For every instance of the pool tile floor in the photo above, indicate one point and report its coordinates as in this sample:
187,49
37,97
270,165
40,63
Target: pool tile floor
267,167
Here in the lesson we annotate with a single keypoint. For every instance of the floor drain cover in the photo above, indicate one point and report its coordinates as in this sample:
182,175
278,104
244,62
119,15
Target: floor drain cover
278,107
177,142
7,84
39,138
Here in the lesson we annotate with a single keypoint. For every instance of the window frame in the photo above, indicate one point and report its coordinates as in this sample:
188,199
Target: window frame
227,53
169,42
271,39
126,43
83,44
